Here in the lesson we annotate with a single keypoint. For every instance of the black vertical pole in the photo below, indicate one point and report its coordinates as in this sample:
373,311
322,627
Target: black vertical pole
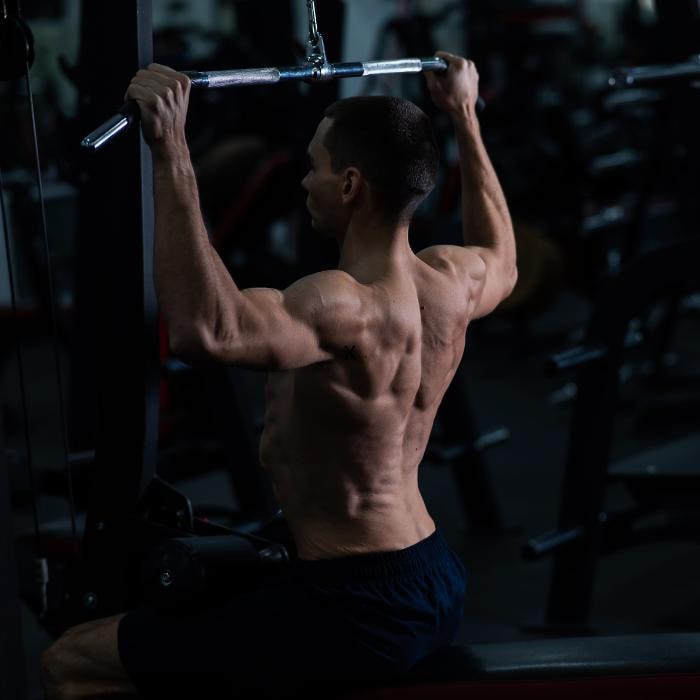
470,469
116,228
12,680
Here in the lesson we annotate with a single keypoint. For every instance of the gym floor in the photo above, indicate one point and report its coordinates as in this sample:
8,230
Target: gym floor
646,589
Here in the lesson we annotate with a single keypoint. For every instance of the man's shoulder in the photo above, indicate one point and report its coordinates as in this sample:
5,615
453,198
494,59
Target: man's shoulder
334,304
329,288
327,281
453,260
460,272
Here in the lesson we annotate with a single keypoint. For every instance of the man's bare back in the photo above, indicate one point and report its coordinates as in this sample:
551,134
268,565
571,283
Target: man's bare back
360,356
343,439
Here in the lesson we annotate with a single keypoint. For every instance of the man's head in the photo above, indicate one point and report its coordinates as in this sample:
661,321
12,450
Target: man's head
386,144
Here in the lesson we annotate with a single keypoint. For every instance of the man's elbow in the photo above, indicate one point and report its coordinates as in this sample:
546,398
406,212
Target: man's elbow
205,346
186,349
510,280
513,279
191,344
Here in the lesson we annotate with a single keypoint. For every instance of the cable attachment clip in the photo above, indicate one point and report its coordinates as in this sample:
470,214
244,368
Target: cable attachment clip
316,57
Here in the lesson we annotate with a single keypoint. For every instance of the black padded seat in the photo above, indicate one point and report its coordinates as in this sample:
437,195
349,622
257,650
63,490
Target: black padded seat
658,665
590,656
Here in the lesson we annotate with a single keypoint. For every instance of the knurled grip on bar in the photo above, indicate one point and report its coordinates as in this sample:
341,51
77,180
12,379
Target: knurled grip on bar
234,78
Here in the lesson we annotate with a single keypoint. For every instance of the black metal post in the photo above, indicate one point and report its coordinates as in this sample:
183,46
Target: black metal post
12,680
119,310
664,273
470,468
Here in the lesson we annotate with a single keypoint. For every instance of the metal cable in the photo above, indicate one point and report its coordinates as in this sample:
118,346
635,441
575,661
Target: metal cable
54,323
20,368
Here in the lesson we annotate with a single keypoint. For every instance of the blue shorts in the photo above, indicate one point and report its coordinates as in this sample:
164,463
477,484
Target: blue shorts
326,624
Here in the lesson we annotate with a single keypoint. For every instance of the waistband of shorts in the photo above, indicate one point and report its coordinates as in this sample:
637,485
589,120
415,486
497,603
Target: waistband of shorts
422,556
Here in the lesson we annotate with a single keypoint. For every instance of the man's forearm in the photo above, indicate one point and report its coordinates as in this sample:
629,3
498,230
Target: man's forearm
485,216
197,297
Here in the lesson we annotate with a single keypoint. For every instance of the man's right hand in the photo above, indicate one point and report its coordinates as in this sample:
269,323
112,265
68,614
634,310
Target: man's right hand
458,88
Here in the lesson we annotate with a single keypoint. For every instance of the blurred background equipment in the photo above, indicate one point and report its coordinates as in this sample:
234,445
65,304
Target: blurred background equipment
572,426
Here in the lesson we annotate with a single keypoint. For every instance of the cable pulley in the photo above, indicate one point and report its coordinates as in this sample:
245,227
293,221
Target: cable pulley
16,45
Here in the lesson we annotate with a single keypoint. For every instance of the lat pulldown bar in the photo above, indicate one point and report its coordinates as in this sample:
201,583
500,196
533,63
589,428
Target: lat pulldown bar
315,69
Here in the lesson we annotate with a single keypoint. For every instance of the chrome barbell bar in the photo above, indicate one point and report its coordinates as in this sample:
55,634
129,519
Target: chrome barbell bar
308,72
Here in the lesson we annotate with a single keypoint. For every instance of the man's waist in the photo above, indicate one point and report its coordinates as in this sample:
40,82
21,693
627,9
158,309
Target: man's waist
328,539
423,556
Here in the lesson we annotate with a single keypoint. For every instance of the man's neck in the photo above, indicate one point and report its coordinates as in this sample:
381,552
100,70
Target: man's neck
371,246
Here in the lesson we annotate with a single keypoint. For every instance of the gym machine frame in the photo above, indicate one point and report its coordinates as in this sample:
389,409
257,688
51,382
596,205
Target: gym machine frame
117,248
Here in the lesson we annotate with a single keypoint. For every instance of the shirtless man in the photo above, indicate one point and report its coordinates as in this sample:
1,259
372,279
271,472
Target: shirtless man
359,359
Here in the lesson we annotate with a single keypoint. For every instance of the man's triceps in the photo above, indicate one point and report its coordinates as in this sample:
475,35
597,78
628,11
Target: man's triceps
278,331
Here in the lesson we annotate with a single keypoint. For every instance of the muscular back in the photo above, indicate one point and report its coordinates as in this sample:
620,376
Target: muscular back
359,364
343,438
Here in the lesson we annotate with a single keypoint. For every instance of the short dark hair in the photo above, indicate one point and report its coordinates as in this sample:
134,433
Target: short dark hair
392,142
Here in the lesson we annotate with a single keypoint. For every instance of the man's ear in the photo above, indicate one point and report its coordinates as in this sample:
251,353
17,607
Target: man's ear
352,185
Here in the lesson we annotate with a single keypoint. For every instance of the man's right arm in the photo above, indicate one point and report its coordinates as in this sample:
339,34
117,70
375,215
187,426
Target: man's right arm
489,255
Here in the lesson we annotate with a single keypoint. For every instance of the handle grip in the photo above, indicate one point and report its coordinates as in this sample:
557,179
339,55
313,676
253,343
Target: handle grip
126,117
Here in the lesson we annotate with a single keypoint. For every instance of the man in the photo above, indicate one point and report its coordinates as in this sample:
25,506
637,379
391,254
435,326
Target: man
359,360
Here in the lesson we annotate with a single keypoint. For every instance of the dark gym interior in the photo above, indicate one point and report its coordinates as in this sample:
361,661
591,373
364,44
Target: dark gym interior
564,464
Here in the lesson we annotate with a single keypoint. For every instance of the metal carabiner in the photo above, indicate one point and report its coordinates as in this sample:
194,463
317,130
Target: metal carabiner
316,57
